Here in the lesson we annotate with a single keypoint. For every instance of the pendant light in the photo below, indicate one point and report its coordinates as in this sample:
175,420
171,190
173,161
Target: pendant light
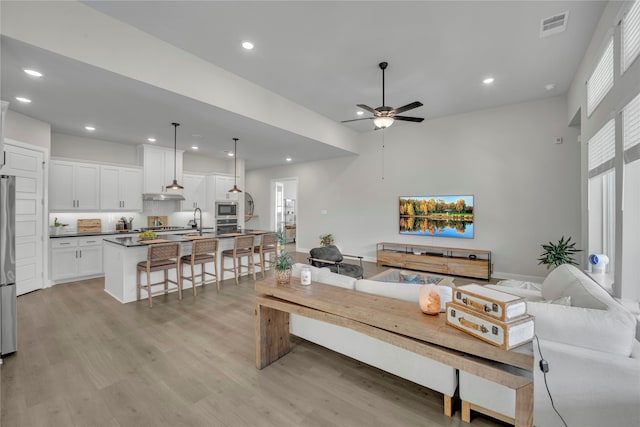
235,188
174,185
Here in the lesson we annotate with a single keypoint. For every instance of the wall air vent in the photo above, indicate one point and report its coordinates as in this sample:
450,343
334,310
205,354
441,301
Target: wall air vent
554,24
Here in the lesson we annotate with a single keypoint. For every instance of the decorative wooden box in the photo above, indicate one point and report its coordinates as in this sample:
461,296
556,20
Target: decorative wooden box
505,335
499,305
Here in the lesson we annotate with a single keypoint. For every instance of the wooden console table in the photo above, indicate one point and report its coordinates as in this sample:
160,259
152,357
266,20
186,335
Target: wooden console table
394,321
436,259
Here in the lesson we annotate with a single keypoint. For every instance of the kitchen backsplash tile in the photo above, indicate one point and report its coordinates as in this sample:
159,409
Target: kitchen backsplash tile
109,219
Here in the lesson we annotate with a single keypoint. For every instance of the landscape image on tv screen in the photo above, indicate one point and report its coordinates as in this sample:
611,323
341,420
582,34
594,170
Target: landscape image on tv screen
440,216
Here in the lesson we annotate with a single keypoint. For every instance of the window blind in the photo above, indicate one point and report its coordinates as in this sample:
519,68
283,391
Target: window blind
601,80
602,149
631,130
630,36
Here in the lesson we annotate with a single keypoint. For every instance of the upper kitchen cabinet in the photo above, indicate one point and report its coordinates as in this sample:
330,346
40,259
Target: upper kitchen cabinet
73,186
195,192
158,168
224,183
120,188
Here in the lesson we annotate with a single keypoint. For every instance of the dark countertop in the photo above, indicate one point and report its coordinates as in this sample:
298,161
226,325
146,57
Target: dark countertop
134,241
122,233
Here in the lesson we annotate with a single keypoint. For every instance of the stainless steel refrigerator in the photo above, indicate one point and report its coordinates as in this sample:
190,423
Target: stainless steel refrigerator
8,324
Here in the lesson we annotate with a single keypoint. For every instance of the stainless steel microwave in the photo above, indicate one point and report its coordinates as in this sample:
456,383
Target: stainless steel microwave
226,209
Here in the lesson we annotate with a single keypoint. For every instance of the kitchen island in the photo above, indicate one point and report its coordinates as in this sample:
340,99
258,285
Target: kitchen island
123,253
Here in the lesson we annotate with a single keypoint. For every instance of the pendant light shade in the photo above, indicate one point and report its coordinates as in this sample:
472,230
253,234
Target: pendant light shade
235,188
174,185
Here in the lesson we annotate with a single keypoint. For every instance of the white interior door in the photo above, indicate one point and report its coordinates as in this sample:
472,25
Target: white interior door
26,165
279,207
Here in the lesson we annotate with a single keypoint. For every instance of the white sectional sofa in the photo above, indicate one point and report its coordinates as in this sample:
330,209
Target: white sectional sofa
400,362
591,350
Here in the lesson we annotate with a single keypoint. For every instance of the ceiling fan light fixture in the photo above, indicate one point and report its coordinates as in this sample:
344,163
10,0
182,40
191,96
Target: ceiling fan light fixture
235,188
174,185
383,122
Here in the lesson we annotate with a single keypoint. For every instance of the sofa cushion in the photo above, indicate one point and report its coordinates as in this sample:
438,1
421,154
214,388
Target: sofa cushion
519,284
335,279
403,291
296,270
610,331
567,280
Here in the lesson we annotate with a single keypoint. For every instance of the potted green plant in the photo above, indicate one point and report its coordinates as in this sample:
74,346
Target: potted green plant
326,239
283,268
556,254
57,226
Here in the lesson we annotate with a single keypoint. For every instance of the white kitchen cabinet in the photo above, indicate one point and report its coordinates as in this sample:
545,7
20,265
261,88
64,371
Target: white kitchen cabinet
224,183
73,186
120,188
158,168
74,258
195,192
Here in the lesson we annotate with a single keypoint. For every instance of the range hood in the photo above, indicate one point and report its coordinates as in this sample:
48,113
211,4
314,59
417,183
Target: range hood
162,196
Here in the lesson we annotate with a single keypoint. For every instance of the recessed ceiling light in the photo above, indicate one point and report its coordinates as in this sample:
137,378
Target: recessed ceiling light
194,147
151,139
230,153
550,86
90,128
23,99
33,73
488,80
288,159
247,45
360,113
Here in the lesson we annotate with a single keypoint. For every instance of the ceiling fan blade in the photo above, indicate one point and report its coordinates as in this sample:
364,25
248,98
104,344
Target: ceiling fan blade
407,107
366,107
409,119
355,120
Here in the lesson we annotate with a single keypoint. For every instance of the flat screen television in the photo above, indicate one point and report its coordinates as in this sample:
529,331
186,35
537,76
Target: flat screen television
439,216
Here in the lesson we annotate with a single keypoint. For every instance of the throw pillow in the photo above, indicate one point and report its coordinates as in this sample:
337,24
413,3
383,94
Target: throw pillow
519,284
561,301
567,280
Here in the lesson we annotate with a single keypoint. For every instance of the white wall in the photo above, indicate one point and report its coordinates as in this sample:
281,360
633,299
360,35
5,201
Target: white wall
97,150
25,129
526,187
203,165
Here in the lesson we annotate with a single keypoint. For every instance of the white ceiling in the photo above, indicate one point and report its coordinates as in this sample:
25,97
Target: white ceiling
322,55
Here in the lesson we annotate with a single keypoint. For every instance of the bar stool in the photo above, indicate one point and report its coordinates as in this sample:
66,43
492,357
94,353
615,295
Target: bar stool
268,245
242,247
203,251
163,257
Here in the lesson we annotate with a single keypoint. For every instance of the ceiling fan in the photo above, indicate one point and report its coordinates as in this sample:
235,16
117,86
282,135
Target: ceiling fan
384,116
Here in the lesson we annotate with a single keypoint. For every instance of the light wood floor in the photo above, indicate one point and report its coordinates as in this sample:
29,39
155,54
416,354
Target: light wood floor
86,360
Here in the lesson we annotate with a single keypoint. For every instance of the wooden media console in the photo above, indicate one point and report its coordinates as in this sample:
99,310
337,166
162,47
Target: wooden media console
436,259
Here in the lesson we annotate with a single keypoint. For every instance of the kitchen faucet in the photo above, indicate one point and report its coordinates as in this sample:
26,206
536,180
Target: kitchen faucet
198,228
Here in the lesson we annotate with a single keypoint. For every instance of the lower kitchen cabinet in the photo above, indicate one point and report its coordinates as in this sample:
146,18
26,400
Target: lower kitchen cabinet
74,258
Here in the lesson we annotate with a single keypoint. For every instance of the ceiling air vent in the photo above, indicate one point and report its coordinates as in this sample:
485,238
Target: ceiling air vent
554,24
